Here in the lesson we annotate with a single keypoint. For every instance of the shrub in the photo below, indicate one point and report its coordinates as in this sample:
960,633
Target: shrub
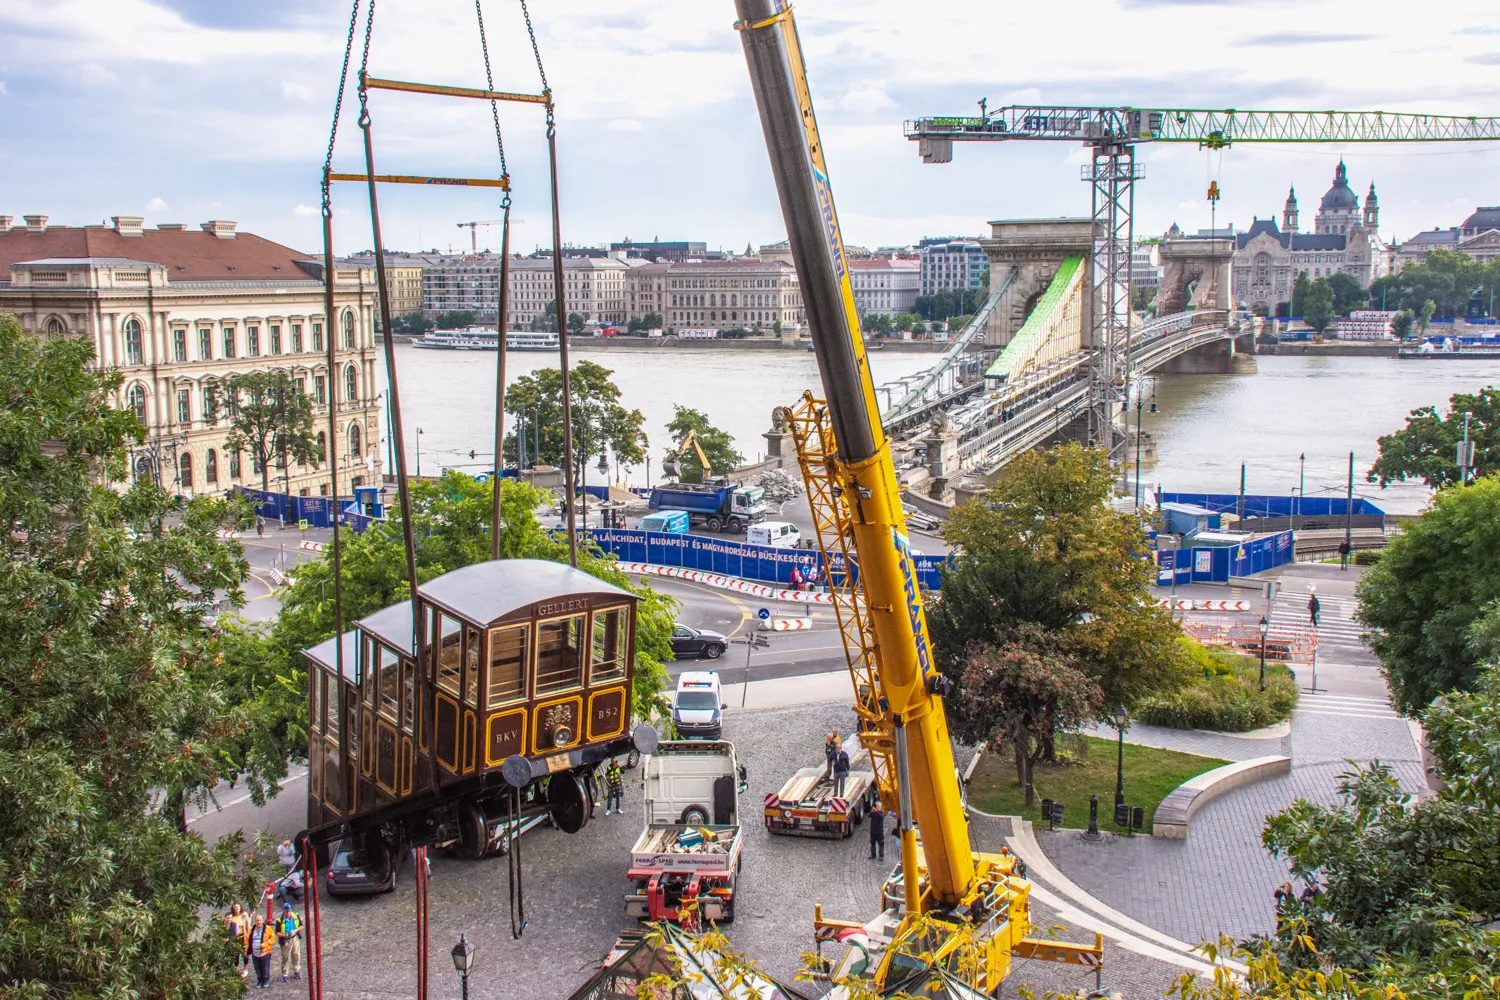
1220,690
1368,557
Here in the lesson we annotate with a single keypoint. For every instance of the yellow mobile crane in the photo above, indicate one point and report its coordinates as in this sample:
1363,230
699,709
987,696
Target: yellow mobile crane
957,916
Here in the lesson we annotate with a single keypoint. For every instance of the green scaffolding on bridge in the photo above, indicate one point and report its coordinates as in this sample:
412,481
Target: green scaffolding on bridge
1053,329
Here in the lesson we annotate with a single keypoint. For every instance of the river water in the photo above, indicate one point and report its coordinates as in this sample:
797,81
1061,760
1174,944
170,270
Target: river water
1205,427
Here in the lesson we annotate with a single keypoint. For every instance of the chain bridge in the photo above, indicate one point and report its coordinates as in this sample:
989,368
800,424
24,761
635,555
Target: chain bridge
1038,363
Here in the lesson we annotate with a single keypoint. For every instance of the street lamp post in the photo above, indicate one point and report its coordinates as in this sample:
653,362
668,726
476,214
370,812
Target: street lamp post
463,961
419,453
1121,717
1265,627
1301,483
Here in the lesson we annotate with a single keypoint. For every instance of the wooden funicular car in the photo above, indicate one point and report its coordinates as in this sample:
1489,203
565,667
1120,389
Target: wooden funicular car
522,687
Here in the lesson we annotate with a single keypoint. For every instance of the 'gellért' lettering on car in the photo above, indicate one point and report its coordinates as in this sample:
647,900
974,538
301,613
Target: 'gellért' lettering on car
913,601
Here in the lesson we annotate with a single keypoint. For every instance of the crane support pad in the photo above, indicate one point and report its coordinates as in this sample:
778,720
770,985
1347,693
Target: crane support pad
375,83
499,182
1067,952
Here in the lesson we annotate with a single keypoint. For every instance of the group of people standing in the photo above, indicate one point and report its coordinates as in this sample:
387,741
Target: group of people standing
253,941
806,575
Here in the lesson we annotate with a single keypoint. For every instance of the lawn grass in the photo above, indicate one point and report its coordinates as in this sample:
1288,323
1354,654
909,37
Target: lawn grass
1086,767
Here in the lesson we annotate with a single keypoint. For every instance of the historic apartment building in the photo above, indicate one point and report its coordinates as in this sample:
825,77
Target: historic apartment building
1345,239
594,287
646,289
954,264
177,311
746,293
403,275
1479,237
885,286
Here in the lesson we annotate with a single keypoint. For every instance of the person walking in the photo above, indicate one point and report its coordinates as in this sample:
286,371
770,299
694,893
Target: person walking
614,788
260,525
876,823
236,926
289,934
258,944
1313,608
831,747
840,773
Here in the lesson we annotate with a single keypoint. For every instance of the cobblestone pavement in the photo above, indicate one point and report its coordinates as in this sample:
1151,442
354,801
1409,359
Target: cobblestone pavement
1221,878
1225,746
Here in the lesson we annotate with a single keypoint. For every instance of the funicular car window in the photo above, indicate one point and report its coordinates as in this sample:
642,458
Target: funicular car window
315,709
408,695
471,666
450,655
559,654
508,656
390,682
609,641
335,706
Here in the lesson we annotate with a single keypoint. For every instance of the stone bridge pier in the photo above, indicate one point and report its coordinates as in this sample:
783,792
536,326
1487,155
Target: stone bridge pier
1195,273
1036,248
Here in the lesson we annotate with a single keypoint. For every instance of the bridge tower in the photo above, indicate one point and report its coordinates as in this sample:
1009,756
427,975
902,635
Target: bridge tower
1035,248
1194,273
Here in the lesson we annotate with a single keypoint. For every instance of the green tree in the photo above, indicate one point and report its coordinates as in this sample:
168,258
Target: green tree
456,319
1044,548
1348,293
907,321
1401,324
1300,289
112,714
1424,315
1423,599
272,418
575,324
1449,278
1317,306
547,321
717,445
412,323
1427,447
877,323
650,321
599,421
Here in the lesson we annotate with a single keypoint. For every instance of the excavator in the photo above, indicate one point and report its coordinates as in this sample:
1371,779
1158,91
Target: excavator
672,464
955,918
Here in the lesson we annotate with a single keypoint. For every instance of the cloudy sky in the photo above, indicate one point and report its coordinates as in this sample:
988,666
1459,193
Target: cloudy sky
186,110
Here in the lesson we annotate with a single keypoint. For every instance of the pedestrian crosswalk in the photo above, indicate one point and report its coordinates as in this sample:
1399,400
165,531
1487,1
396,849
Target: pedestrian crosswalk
1336,625
1347,705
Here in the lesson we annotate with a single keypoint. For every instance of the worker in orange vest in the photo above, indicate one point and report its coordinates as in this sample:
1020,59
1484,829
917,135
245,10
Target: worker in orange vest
259,942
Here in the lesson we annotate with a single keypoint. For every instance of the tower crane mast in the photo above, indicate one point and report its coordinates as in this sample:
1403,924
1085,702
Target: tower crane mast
1113,133
473,228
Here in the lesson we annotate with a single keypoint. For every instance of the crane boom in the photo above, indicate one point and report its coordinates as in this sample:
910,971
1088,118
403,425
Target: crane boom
1205,126
907,676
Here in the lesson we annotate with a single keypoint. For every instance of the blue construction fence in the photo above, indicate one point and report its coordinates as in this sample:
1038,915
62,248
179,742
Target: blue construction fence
1274,506
762,563
359,511
1218,564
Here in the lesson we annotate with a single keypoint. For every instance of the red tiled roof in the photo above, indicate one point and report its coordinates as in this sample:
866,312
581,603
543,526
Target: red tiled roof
188,256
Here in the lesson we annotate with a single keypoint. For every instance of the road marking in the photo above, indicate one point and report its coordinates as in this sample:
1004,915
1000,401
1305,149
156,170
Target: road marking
270,590
222,806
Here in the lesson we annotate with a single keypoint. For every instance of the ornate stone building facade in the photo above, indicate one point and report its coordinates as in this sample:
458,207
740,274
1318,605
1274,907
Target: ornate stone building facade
176,312
1346,239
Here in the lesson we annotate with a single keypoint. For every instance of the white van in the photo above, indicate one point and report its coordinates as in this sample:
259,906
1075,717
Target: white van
782,534
695,710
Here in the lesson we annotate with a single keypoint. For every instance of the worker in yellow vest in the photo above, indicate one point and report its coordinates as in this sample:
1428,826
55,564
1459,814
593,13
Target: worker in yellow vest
289,933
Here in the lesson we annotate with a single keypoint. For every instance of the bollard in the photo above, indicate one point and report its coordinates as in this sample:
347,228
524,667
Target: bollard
1137,817
1047,810
1122,814
1093,830
1057,814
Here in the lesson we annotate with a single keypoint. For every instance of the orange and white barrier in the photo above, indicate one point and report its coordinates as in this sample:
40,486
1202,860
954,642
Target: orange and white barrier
786,624
1184,604
726,583
314,546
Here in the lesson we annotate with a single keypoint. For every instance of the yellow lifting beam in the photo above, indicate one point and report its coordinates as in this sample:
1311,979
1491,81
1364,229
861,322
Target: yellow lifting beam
494,182
376,83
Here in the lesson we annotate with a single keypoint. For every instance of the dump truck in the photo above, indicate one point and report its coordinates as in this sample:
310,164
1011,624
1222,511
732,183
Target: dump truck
806,806
719,508
685,863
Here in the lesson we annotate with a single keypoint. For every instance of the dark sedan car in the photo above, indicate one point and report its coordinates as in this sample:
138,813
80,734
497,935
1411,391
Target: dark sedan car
702,642
352,874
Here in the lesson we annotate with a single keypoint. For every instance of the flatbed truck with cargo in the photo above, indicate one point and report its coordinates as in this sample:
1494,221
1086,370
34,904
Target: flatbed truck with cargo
806,807
685,865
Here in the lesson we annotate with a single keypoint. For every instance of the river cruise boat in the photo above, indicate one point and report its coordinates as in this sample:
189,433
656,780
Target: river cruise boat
480,339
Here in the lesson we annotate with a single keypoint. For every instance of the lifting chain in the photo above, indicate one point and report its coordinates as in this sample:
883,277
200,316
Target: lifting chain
364,65
489,81
338,106
542,72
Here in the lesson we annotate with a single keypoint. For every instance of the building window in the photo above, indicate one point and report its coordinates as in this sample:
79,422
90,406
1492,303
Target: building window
133,351
322,446
348,331
351,384
211,468
234,465
252,341
179,345
136,399
296,338
55,328
185,470
210,405
320,389
275,338
229,342
205,344
317,336
184,406
354,452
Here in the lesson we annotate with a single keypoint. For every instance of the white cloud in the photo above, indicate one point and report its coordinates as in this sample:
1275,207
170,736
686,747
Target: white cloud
865,99
303,211
624,125
155,205
3,91
297,91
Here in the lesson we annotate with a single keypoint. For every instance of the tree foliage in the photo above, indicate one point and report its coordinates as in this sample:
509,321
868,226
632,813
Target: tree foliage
112,713
1348,293
1401,324
1427,447
947,302
599,421
877,323
1449,279
1043,549
1434,582
455,319
271,417
640,324
1317,306
414,323
717,445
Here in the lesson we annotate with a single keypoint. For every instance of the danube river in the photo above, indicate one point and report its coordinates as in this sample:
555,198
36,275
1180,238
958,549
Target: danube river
1205,427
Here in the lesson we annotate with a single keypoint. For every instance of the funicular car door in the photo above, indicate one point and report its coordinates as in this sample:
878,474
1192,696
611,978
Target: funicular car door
445,638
